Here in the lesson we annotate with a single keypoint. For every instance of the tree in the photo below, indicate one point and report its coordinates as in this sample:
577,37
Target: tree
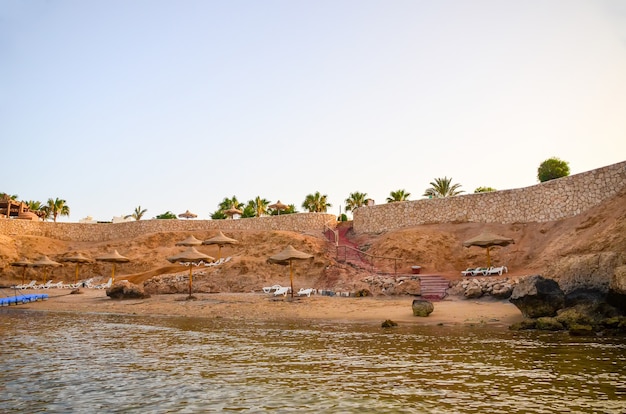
399,195
356,200
168,215
229,203
316,203
37,208
218,215
552,168
57,207
137,214
484,190
443,187
259,205
9,196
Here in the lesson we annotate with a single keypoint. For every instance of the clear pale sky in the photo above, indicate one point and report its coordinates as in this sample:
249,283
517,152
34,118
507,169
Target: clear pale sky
175,105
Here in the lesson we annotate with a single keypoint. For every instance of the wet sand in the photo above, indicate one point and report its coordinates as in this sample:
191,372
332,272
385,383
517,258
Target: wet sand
261,306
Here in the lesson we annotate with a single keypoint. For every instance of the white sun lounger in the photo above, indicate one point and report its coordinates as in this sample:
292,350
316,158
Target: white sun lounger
306,292
282,291
270,289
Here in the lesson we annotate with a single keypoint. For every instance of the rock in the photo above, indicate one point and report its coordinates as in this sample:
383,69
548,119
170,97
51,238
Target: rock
473,292
388,324
422,307
581,330
547,323
617,289
126,290
577,315
363,293
408,287
503,291
524,325
537,296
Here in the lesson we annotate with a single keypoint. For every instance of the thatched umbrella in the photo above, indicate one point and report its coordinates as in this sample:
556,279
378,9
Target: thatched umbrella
190,257
78,258
278,206
114,258
488,240
286,257
24,263
45,262
187,214
232,211
189,241
220,239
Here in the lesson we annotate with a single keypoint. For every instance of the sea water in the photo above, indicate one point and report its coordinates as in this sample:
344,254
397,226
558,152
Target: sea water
88,363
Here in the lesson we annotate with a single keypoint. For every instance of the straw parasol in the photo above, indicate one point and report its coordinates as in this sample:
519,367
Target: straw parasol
287,256
45,262
187,214
278,206
24,263
190,256
189,241
220,239
78,258
232,211
114,258
488,240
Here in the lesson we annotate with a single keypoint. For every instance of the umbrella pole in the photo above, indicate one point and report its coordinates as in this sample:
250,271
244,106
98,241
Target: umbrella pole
23,273
488,258
190,277
219,252
291,276
76,275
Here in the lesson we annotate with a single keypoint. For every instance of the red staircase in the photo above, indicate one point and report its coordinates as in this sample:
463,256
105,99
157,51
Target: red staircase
433,287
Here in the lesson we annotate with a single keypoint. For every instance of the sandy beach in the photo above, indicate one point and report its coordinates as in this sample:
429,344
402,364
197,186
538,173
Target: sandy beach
261,306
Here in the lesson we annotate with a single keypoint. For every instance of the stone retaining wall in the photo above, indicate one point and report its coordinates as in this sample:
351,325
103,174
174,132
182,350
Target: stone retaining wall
97,232
549,201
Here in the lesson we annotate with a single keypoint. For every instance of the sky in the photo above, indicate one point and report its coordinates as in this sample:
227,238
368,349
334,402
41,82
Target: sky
176,105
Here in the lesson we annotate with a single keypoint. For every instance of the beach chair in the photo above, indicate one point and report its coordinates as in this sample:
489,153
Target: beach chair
30,285
282,291
497,270
270,289
468,272
480,271
105,285
306,292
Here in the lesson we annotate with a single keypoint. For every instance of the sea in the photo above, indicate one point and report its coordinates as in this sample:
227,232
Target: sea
55,362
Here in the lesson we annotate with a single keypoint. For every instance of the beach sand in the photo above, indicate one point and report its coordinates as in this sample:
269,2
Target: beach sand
264,307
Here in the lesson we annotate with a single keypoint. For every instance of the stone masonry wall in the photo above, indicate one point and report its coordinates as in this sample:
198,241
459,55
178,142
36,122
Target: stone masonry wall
97,232
548,201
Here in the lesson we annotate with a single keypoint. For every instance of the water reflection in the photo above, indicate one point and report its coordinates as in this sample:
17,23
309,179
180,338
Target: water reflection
111,363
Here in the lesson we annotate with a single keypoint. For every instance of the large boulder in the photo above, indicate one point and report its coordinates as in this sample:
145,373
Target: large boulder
422,307
536,296
126,290
617,289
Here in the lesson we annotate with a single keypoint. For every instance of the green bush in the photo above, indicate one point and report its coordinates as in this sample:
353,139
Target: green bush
552,168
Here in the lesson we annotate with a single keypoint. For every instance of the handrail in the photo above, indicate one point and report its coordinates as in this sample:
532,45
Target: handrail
334,231
360,252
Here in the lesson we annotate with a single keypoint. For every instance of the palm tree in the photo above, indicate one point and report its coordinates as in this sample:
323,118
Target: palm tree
57,207
443,187
316,203
399,195
9,196
229,203
137,214
356,200
259,205
37,208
